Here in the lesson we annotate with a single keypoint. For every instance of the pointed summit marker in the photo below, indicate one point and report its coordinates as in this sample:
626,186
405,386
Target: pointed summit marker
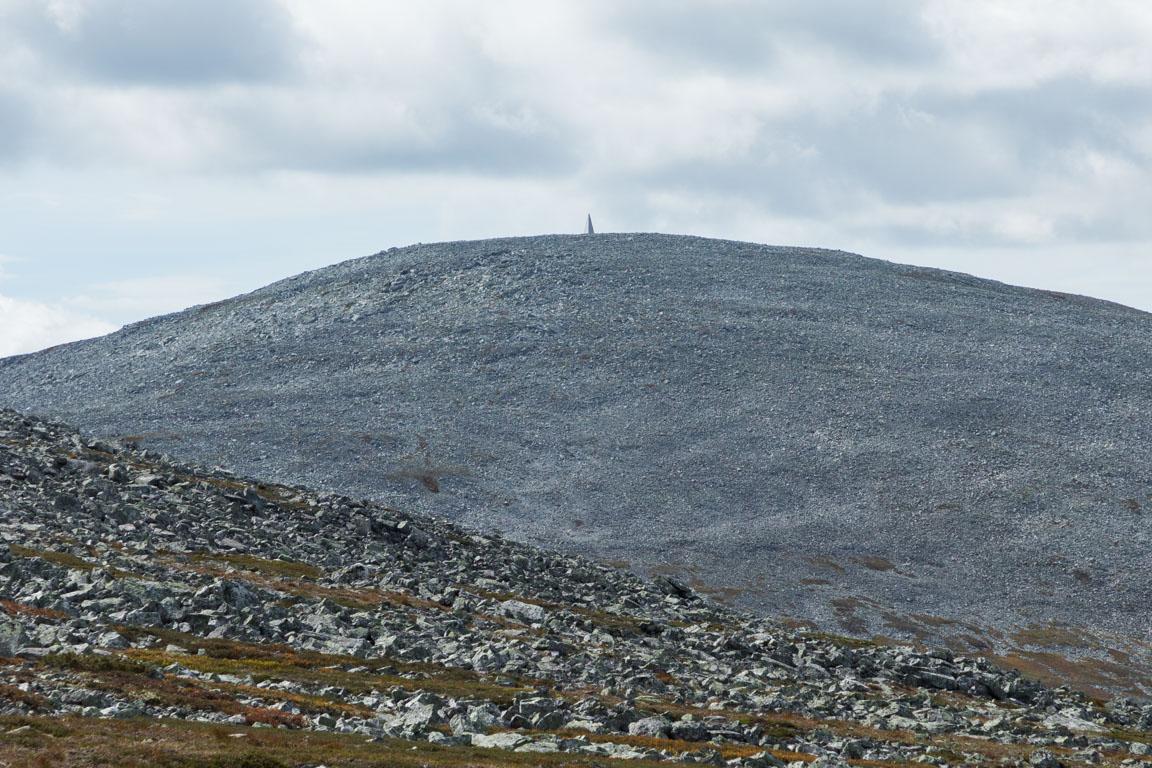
588,227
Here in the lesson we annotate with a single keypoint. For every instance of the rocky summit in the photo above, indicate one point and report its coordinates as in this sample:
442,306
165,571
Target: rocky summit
158,614
877,449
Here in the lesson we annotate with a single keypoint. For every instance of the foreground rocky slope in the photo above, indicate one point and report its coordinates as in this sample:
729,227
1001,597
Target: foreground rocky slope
158,614
880,449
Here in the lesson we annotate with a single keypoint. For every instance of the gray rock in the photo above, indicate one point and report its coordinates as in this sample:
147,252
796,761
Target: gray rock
671,586
12,636
477,719
507,740
828,761
149,479
542,746
32,653
1073,722
549,721
689,731
583,724
488,660
657,727
525,612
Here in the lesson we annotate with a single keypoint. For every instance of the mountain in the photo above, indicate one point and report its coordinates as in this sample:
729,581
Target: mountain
876,449
160,614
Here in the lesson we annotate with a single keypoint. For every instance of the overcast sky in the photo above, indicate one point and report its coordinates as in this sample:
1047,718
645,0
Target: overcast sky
160,153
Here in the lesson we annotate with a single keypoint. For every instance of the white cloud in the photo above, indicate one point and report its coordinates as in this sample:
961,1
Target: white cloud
161,42
899,126
996,44
28,326
155,295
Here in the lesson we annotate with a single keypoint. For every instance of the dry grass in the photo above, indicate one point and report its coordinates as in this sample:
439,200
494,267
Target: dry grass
63,559
1053,636
13,608
125,675
295,579
848,642
128,744
285,569
824,562
720,594
937,621
1092,676
875,563
275,662
75,743
13,694
907,625
93,663
120,744
600,619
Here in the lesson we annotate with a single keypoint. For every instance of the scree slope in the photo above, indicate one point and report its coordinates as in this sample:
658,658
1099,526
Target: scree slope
872,447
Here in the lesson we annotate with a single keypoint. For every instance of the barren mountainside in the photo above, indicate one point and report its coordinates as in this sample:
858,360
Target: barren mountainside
876,448
154,614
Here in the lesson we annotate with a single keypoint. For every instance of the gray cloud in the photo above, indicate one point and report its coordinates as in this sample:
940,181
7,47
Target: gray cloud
811,164
1067,228
466,146
475,146
906,155
744,35
827,111
167,42
878,32
1110,227
14,127
1012,144
723,35
782,179
932,146
1051,116
439,138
